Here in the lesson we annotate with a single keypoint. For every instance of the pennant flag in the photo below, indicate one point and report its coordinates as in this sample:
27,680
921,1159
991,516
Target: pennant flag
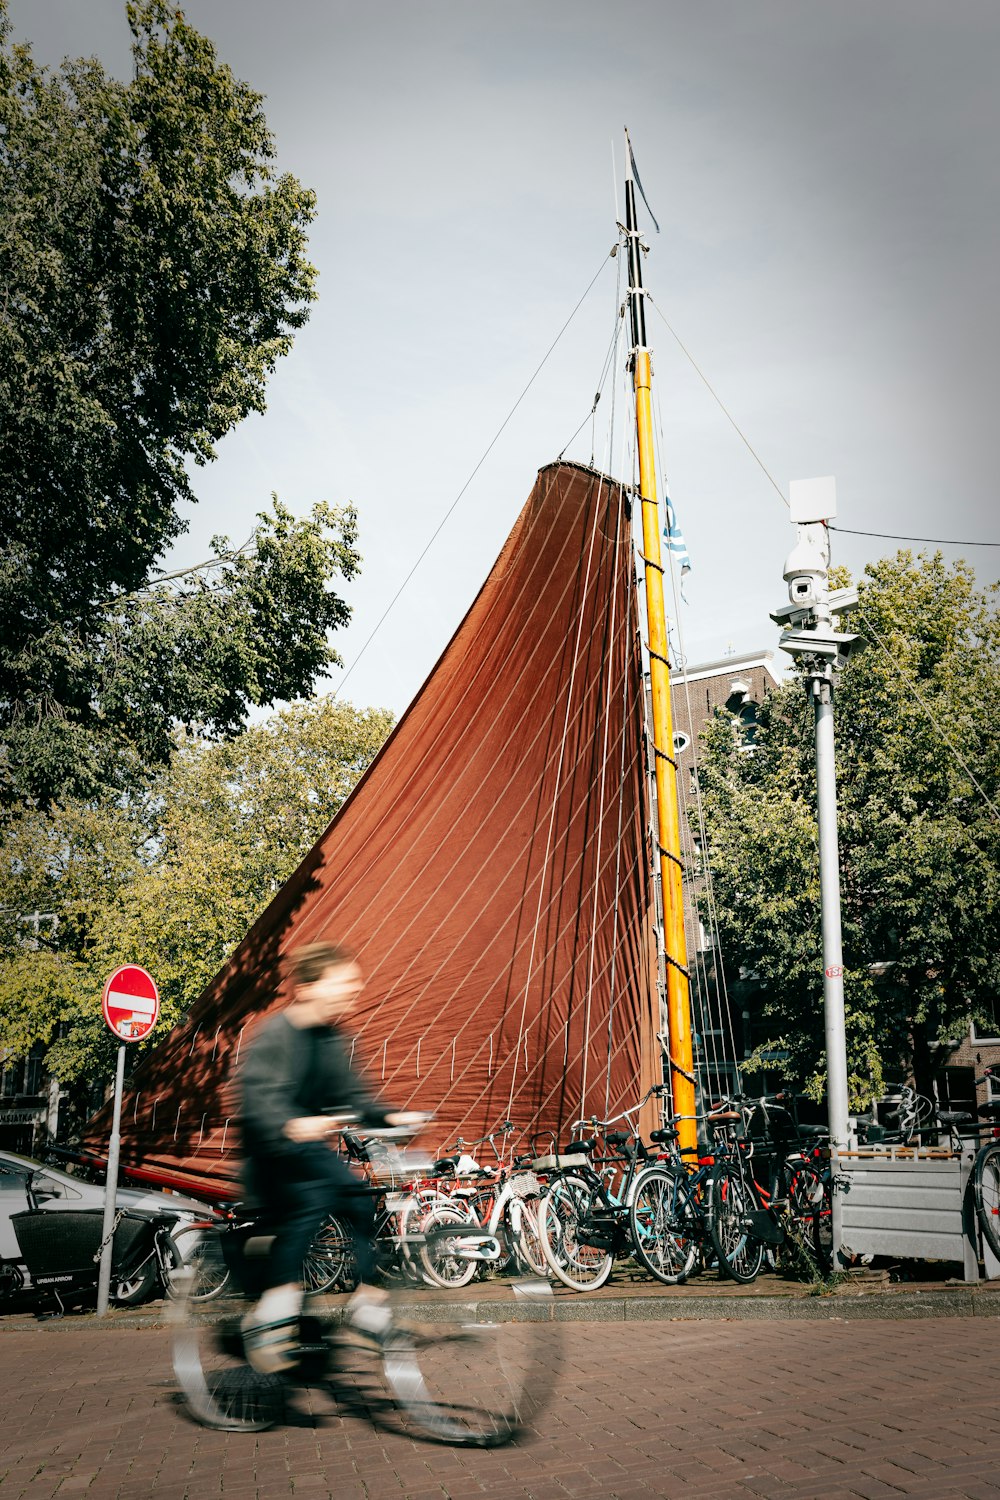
674,538
635,175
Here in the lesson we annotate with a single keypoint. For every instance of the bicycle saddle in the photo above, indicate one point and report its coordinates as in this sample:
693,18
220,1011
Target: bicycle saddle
582,1145
663,1136
954,1116
814,1131
990,1111
445,1166
617,1137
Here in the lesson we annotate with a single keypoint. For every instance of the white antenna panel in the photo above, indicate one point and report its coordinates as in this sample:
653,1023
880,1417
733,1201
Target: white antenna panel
812,500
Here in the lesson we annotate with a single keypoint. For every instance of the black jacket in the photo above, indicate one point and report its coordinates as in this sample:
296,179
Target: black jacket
289,1071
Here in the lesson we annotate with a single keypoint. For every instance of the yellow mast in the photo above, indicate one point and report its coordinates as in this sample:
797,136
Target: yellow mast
679,1043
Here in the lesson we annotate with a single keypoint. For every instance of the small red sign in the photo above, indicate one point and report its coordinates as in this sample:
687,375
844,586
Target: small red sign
835,971
131,1003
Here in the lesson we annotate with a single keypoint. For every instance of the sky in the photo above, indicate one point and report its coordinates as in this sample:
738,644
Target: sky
826,182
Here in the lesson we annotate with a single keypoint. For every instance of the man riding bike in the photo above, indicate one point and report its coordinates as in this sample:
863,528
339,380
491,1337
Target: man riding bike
296,1065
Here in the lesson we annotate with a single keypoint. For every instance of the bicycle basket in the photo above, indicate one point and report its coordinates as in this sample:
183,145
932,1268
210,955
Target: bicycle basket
524,1185
393,1166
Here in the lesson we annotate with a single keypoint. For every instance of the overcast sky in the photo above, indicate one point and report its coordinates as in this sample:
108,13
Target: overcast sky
826,181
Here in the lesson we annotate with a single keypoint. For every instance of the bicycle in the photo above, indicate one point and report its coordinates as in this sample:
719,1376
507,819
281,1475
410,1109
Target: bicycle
748,1219
584,1223
503,1202
669,1209
986,1163
463,1382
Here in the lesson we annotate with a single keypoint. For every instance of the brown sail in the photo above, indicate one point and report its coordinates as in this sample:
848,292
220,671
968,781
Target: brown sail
491,871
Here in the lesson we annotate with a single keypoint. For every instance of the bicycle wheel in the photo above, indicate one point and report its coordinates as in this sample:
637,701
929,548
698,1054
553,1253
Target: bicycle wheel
329,1259
477,1384
193,1276
563,1216
529,1240
739,1253
662,1226
220,1389
441,1260
986,1184
811,1201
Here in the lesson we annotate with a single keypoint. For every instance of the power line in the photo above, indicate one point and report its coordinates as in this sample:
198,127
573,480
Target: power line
892,536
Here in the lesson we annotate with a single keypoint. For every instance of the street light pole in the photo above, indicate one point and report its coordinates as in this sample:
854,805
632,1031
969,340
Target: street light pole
819,649
821,690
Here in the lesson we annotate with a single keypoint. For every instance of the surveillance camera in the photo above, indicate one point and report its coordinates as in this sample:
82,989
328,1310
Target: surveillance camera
803,588
833,646
792,614
810,557
841,601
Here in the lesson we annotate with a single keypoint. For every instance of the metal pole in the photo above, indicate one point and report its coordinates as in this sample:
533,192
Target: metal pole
680,1054
111,1190
829,885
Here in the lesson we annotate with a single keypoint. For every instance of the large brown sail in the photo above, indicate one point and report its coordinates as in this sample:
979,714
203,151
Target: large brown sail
491,871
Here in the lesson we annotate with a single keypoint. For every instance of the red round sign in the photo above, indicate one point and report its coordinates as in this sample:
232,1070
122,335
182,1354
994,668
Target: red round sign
131,1003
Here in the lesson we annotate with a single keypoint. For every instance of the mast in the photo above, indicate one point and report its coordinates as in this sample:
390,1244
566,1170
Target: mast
679,1043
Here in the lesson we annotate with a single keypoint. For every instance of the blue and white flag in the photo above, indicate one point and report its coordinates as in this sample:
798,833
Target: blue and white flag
674,538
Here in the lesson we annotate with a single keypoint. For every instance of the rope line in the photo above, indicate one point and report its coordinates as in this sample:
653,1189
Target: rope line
458,758
600,816
722,406
555,794
458,941
447,515
709,986
525,1032
496,883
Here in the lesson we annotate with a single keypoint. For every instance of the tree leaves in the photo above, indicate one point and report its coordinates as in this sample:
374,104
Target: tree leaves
154,270
919,840
170,876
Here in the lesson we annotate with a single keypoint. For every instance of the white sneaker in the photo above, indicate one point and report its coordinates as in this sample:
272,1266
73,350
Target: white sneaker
271,1348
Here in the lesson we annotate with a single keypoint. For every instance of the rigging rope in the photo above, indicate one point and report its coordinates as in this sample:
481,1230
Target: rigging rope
901,667
489,449
555,794
704,989
600,811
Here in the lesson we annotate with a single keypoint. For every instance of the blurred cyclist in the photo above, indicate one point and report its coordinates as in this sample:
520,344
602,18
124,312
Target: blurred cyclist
297,1064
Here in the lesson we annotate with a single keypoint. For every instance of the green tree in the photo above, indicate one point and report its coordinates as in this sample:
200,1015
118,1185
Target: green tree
154,270
170,877
918,768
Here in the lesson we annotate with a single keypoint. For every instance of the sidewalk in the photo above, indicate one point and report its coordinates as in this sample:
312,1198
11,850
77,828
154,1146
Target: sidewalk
632,1297
878,1410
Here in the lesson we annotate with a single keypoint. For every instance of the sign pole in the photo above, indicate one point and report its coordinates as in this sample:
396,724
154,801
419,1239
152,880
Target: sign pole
111,1191
131,1007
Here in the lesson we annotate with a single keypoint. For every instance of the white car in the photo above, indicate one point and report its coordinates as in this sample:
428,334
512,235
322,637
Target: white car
26,1183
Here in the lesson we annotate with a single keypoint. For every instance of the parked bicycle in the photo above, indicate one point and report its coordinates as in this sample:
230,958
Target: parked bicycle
584,1217
503,1199
783,1207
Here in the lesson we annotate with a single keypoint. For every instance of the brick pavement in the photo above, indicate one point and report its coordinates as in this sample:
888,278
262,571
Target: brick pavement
805,1410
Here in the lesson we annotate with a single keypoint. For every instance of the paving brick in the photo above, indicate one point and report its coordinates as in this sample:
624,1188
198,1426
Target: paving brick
645,1409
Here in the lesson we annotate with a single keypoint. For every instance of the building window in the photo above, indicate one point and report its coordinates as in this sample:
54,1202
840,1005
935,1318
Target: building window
12,1079
988,1029
748,725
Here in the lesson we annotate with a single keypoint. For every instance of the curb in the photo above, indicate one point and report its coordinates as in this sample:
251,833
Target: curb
835,1307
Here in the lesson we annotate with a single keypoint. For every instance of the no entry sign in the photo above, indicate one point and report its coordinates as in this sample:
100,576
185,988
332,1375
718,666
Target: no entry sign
131,1003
